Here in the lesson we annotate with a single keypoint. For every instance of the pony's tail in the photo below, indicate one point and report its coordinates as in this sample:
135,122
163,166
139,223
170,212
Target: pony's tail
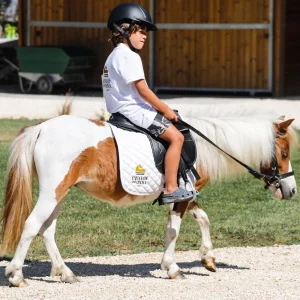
18,198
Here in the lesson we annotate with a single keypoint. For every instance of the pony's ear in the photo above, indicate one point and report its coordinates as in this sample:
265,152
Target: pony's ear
281,118
283,126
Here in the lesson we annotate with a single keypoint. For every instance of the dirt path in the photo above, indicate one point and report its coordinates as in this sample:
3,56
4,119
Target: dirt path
243,273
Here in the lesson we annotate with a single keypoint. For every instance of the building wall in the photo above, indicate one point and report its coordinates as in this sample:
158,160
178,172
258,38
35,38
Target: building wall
213,58
197,58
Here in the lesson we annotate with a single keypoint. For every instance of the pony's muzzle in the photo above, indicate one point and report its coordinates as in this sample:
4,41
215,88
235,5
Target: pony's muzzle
288,195
293,192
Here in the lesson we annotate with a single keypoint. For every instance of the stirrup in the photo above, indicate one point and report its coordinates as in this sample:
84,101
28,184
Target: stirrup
179,195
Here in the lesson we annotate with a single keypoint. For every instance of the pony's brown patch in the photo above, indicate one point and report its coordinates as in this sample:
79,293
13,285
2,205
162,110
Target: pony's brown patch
181,208
193,206
97,122
199,184
282,155
95,171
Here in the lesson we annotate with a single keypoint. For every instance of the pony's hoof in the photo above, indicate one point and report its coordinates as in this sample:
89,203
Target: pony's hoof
177,275
209,264
20,282
69,279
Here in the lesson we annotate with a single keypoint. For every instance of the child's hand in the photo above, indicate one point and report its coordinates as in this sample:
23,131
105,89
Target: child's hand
170,115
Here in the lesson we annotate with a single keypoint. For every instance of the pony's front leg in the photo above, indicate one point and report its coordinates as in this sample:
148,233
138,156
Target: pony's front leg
206,254
168,262
58,265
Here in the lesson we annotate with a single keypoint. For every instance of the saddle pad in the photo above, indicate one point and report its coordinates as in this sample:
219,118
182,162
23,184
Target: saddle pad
139,175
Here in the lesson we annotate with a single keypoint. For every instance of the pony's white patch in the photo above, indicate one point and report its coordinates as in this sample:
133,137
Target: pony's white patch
287,185
52,158
290,180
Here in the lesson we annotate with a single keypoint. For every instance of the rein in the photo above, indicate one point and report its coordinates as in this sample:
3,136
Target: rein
273,180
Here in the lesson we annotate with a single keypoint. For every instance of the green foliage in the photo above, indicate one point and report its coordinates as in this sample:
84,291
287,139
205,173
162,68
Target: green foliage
241,213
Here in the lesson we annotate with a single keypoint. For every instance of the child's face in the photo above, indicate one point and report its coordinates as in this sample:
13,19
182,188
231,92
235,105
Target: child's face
138,39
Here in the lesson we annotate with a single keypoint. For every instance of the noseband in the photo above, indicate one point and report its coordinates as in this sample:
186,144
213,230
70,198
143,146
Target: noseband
271,180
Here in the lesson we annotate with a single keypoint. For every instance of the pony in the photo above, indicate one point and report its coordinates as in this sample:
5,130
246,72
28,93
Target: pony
70,151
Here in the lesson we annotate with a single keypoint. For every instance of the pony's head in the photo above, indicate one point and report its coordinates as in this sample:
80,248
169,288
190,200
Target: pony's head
283,188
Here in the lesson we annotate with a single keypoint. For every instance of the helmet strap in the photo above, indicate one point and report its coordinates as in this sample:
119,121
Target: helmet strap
130,45
126,35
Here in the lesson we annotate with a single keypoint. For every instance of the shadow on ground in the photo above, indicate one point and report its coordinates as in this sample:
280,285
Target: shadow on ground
42,269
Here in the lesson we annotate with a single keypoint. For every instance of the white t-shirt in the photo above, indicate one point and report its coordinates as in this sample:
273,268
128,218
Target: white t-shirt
121,69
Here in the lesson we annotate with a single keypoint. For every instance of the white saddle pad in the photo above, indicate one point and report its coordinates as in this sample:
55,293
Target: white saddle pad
139,175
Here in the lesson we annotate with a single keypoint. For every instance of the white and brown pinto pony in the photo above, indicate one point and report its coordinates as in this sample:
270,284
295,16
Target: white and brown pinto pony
69,151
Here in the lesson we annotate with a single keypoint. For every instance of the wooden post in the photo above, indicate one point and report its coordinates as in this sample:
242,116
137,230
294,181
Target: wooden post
22,13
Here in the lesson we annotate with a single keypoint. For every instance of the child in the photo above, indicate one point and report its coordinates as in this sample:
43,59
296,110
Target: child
126,91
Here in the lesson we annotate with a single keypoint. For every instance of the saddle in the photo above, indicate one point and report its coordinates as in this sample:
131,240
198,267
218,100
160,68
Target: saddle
160,146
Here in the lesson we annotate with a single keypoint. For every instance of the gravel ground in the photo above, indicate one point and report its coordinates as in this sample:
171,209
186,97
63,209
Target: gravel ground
242,273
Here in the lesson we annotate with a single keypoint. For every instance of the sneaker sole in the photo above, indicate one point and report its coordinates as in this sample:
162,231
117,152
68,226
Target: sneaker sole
170,201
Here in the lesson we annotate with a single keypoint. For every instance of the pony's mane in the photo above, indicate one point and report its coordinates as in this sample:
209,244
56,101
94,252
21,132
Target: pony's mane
245,135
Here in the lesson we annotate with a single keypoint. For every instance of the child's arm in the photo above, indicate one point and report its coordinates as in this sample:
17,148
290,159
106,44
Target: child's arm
151,98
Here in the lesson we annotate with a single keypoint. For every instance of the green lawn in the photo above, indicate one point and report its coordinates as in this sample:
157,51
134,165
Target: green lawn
241,212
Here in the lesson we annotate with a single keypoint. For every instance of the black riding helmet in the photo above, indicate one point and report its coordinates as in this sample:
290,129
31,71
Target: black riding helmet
130,13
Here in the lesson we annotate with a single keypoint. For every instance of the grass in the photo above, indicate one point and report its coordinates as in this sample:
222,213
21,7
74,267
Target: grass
241,213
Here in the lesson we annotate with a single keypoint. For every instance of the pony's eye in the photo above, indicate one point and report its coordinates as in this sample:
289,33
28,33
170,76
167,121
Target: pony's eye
284,154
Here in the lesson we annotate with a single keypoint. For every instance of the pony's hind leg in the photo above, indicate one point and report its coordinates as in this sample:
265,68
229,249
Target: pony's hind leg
206,254
168,262
58,266
42,211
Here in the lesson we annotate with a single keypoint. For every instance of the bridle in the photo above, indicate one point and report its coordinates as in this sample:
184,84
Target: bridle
273,180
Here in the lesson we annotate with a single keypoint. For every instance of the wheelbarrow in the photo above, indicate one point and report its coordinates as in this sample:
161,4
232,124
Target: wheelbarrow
47,66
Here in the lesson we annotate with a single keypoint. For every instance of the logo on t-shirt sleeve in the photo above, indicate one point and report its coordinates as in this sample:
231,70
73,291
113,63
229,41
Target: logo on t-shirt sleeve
106,80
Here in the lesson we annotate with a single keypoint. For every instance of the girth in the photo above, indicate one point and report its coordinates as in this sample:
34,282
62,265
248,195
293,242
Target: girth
160,146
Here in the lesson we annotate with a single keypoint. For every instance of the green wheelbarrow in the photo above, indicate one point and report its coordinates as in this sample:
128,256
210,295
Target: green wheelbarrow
46,66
